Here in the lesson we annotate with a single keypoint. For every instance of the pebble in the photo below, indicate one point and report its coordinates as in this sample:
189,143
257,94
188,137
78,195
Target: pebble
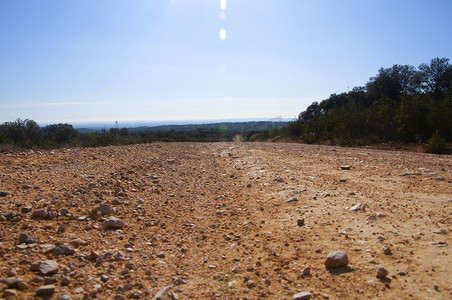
46,290
371,218
40,214
25,238
65,297
26,209
336,259
306,271
387,251
23,286
163,293
11,282
113,223
250,284
47,248
357,207
11,273
4,193
97,288
382,272
302,296
300,222
346,167
63,250
48,267
102,210
294,199
12,294
440,231
79,242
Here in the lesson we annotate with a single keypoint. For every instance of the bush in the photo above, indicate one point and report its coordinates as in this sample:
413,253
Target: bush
435,144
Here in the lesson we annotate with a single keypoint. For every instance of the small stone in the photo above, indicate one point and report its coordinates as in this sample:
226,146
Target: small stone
302,296
66,281
387,251
12,294
97,288
336,259
65,297
26,209
163,293
23,286
440,231
47,248
48,267
63,250
93,255
346,167
11,282
26,186
357,207
113,223
129,265
79,290
294,199
46,290
161,255
300,222
11,273
49,280
79,242
64,211
382,272
102,209
3,286
40,214
227,237
4,193
371,218
250,284
306,271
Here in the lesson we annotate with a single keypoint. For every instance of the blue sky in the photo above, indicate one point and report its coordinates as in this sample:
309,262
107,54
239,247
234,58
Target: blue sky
104,60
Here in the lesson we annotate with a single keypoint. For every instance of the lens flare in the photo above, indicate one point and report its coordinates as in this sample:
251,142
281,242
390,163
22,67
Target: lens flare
222,34
223,4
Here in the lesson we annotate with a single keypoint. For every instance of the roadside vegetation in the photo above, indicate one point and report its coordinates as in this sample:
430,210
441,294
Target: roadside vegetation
401,107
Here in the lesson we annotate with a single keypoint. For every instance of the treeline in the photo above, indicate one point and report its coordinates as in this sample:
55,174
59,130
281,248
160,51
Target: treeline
28,134
401,104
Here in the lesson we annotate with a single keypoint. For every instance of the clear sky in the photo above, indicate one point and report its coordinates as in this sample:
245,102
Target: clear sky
104,60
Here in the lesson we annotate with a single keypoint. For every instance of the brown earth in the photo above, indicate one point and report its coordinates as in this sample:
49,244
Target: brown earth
208,221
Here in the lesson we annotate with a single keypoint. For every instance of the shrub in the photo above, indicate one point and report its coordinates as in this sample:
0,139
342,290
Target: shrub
435,144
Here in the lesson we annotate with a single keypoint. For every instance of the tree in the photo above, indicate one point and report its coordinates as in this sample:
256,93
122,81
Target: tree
435,78
391,82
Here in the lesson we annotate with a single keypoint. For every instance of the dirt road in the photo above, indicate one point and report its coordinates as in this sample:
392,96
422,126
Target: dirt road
224,221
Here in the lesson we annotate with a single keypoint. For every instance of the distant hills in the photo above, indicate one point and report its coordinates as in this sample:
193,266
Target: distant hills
242,127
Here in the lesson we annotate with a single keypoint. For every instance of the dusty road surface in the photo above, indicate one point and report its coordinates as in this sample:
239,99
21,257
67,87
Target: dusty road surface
224,221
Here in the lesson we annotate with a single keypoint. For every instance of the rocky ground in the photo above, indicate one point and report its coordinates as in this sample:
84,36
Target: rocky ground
226,221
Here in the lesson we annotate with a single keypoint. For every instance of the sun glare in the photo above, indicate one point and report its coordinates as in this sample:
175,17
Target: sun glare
222,34
223,4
